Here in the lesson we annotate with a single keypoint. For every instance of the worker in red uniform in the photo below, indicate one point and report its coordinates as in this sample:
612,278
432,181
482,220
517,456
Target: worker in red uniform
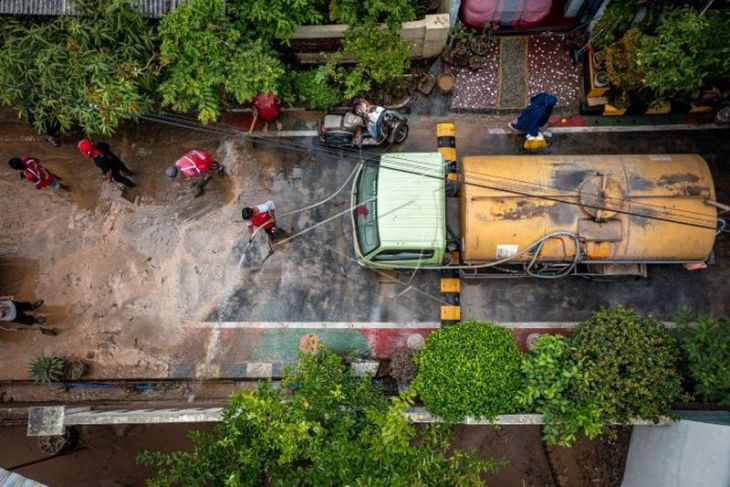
196,167
110,164
266,107
261,216
32,170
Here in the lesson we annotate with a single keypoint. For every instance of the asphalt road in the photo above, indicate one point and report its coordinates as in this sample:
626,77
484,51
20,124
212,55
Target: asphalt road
315,278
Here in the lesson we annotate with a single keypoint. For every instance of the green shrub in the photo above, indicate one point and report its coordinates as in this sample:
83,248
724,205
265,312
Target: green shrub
469,369
268,20
631,365
356,12
687,51
331,429
615,20
552,388
380,54
621,64
705,343
317,88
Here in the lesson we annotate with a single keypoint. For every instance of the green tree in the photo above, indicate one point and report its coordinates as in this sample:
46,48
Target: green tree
705,342
206,59
94,70
687,51
469,369
332,429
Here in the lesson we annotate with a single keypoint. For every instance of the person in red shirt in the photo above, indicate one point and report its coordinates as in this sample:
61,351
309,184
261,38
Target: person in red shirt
196,167
261,216
32,170
266,107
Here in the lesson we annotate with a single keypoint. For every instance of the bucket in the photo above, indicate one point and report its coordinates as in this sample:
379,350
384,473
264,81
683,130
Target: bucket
446,82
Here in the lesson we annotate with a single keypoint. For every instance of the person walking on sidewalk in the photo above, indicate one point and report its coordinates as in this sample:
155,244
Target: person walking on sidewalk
32,170
535,116
16,312
196,166
111,166
261,216
266,107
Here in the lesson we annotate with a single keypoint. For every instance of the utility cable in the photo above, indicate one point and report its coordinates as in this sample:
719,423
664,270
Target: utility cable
520,190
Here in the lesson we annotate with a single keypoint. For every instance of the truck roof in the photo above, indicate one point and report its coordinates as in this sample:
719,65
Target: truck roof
412,200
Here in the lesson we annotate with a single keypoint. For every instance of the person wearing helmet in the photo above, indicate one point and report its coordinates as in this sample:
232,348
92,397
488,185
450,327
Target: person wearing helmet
110,165
196,167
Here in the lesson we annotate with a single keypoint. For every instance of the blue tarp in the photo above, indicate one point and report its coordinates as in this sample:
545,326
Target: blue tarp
536,114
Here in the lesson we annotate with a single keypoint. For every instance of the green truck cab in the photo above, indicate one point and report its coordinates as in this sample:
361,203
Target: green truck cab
399,211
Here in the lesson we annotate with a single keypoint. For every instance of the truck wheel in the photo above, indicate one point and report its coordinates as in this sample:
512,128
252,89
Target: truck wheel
401,132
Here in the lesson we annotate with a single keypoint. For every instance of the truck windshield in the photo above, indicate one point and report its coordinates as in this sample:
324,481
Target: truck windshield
366,209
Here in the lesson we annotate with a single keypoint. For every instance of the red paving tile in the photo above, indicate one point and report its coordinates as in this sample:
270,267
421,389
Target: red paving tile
551,69
478,90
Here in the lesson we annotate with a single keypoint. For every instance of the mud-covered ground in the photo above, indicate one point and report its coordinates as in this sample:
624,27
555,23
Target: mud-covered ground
108,452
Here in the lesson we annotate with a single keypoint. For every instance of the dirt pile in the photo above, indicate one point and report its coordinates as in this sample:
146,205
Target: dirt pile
122,275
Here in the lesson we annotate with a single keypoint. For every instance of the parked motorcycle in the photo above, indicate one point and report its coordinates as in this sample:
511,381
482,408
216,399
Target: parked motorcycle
349,130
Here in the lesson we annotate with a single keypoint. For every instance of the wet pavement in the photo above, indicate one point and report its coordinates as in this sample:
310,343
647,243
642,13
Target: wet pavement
258,314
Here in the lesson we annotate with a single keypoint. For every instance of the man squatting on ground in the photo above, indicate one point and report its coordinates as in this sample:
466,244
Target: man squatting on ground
15,311
111,166
32,170
196,166
261,216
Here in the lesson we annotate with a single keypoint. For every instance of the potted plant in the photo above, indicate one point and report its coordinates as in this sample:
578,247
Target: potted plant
52,368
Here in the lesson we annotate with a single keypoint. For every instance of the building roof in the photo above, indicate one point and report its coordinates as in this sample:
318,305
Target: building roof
151,8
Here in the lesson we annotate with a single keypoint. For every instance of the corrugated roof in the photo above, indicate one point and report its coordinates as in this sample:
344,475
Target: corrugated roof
12,479
151,8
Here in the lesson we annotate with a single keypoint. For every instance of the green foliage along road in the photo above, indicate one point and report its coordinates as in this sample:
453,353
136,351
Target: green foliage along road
331,429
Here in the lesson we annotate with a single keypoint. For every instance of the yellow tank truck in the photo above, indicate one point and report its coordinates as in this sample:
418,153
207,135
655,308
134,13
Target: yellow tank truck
544,216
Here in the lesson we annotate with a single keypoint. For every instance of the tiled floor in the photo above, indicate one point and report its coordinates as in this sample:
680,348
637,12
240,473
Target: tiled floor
550,68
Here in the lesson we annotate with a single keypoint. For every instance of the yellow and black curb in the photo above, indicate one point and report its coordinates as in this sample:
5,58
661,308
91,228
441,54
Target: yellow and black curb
450,281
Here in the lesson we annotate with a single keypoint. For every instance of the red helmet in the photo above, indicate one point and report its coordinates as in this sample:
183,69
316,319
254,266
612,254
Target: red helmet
86,146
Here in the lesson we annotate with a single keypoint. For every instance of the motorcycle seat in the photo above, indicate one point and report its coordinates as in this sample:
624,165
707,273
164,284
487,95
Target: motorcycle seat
332,122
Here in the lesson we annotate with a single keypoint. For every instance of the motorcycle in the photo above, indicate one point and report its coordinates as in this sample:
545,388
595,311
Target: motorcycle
349,130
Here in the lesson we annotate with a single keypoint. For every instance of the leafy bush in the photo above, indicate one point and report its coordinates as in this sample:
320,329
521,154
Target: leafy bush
204,55
621,63
631,365
318,88
380,54
371,12
552,388
333,429
615,20
687,50
469,369
94,70
705,343
268,20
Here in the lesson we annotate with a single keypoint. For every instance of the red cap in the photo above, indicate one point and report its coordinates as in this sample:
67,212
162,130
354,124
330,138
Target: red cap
86,147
